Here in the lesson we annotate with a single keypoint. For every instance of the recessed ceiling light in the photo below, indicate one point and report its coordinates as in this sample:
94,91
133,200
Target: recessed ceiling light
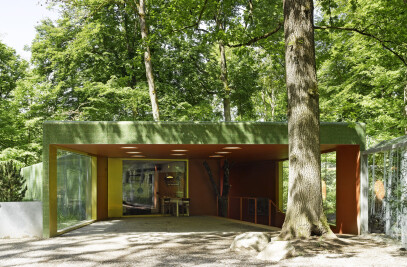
179,150
138,156
223,152
133,152
216,156
232,147
129,147
177,154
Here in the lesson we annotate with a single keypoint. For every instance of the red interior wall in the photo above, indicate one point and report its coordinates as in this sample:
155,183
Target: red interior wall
347,189
201,192
253,179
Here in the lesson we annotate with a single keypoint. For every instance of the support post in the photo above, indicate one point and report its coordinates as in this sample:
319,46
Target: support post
364,192
255,210
228,211
217,206
94,187
241,208
52,189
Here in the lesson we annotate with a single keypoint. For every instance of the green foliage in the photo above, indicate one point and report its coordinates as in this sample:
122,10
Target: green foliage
362,75
12,69
328,176
89,65
12,183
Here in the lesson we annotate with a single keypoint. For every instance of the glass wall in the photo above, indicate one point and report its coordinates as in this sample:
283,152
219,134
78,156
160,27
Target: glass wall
328,175
146,181
387,172
74,189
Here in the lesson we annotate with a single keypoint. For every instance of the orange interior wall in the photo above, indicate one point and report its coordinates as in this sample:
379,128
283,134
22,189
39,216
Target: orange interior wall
166,190
201,192
102,188
347,189
254,179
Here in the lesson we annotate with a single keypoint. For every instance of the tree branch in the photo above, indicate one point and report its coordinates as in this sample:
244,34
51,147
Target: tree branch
362,32
255,39
196,24
250,3
200,14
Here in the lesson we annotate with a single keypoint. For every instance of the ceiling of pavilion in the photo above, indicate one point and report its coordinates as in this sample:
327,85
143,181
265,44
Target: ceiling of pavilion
207,151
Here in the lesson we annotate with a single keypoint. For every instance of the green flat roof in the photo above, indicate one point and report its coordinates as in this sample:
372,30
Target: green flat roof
129,132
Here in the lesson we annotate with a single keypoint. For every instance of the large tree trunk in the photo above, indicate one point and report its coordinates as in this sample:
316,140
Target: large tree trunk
223,67
224,79
305,215
147,61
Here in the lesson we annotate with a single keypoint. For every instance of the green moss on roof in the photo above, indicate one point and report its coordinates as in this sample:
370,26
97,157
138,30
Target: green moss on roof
65,132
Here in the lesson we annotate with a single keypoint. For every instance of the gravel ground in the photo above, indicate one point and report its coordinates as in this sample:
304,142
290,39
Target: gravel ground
187,241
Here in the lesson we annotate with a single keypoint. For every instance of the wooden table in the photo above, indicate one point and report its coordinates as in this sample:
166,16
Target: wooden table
173,200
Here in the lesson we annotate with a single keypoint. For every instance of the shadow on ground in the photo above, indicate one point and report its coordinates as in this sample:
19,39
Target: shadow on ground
171,241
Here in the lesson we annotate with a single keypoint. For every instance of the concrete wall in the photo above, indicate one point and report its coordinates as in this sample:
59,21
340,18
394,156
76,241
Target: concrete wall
20,219
33,180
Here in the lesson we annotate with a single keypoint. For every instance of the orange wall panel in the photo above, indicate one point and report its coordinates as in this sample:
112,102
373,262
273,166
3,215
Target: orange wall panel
347,189
254,179
102,188
201,192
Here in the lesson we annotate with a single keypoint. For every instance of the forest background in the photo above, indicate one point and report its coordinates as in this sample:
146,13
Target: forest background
211,61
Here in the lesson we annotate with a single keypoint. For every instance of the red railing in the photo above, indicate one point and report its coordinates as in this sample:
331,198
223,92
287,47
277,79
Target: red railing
256,210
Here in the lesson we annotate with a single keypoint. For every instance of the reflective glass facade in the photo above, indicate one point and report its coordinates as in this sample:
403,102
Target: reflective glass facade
74,189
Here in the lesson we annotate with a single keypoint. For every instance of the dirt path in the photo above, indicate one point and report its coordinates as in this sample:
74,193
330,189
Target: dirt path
190,241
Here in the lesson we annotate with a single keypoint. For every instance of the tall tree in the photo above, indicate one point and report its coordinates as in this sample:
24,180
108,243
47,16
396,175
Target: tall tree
12,69
305,215
147,60
220,23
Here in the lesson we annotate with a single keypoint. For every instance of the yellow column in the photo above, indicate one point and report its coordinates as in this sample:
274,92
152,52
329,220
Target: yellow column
115,190
94,187
187,179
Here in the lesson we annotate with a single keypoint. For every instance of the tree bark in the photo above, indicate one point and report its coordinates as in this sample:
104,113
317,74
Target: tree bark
273,103
147,61
224,79
223,67
305,215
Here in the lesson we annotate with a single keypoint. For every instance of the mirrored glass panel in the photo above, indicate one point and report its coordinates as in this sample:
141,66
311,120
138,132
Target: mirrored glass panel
145,182
74,189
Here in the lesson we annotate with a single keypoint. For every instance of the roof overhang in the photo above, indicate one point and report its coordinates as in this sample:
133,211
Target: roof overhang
257,140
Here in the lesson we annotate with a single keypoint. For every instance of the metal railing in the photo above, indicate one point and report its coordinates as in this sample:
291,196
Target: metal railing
257,210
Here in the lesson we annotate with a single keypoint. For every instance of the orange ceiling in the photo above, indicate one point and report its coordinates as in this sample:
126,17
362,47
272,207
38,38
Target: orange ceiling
163,151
